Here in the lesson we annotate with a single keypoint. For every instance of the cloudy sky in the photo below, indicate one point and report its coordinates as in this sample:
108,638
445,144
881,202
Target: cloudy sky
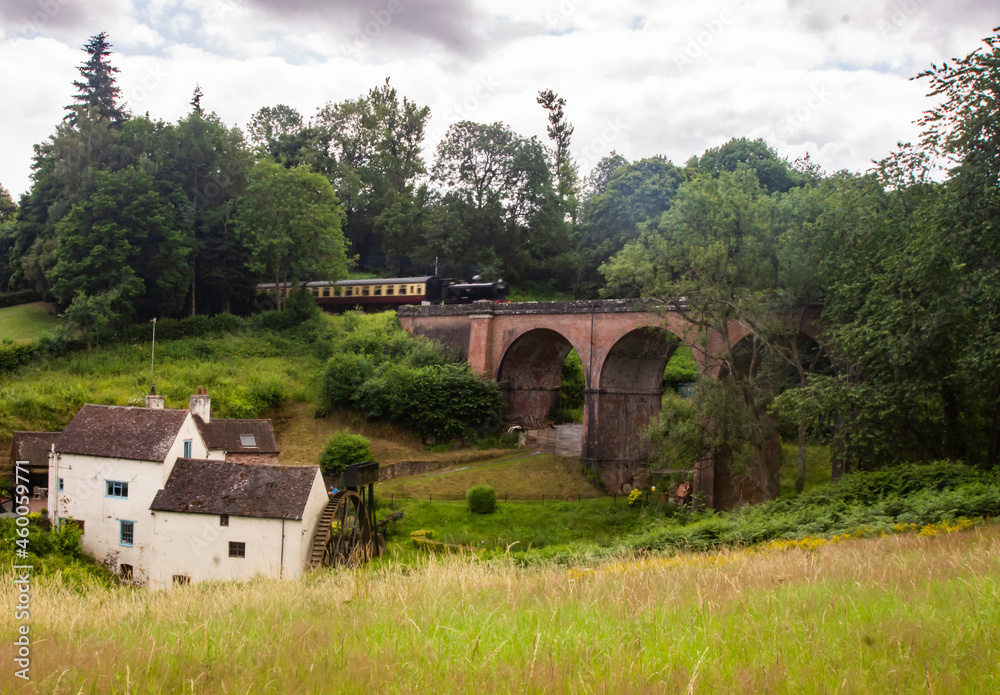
641,77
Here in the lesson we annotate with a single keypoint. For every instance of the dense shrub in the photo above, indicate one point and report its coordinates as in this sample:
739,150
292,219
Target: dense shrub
51,551
438,401
920,494
569,407
681,369
344,374
482,499
15,297
386,374
190,327
343,449
13,355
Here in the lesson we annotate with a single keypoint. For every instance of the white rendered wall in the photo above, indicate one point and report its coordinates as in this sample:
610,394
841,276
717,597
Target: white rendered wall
197,546
84,498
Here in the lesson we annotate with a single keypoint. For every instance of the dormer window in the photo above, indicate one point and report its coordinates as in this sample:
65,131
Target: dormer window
248,441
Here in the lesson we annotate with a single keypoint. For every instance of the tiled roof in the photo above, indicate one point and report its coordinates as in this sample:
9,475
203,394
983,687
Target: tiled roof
229,435
238,489
32,447
141,434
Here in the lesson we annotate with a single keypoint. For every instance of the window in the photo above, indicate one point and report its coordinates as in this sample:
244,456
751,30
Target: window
181,580
364,291
326,291
60,485
348,291
127,532
390,289
248,441
378,291
337,291
402,289
187,448
116,489
237,549
126,572
223,520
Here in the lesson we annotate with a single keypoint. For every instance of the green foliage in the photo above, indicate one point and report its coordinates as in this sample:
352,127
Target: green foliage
344,375
773,172
386,374
52,551
290,221
569,407
482,499
15,297
13,355
681,369
343,449
871,502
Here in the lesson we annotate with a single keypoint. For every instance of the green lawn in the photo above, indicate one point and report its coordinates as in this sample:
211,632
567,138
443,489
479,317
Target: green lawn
25,322
520,524
518,475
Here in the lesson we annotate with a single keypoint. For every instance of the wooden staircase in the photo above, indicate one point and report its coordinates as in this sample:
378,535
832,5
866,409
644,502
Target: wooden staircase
322,534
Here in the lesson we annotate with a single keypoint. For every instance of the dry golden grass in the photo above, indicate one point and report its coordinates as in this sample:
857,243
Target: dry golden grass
519,475
897,614
301,438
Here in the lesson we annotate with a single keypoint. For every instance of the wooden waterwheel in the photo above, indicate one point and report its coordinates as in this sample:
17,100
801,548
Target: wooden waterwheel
351,540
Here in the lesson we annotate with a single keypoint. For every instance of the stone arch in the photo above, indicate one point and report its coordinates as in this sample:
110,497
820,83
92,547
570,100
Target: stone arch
627,393
530,374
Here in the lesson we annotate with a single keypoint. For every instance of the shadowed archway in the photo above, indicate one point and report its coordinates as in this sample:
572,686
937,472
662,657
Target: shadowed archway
628,393
530,375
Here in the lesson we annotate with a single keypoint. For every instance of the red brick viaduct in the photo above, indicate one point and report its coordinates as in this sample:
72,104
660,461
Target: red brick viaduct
624,346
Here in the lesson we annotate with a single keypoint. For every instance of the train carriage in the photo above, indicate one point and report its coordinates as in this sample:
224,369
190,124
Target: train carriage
341,295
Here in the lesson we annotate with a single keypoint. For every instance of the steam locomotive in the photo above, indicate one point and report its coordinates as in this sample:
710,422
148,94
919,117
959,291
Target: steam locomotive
341,295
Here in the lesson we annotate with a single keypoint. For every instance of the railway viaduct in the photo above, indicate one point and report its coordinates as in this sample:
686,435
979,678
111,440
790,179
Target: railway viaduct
624,346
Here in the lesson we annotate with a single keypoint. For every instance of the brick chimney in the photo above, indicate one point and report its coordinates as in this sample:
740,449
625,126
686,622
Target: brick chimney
200,404
154,401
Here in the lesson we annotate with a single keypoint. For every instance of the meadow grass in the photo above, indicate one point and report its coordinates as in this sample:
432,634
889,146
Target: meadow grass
514,525
26,322
516,474
904,613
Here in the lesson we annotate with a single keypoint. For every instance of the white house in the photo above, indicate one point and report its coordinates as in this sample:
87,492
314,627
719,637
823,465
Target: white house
105,469
228,520
111,462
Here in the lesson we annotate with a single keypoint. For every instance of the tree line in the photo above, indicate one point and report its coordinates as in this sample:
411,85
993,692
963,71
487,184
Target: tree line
130,217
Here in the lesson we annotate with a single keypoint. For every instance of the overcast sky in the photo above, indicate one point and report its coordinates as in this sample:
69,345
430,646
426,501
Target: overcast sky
641,77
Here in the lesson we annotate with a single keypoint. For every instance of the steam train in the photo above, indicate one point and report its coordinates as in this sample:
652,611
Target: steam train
341,295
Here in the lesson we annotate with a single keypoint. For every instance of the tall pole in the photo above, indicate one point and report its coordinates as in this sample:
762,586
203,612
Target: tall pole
152,361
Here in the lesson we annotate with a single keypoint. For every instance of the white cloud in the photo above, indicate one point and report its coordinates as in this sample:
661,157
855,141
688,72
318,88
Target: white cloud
640,77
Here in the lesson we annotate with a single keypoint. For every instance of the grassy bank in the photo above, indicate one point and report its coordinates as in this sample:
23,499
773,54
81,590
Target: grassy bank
26,322
517,474
897,614
515,525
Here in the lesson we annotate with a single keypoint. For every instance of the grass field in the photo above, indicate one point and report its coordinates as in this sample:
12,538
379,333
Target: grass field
25,322
899,614
515,525
517,474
